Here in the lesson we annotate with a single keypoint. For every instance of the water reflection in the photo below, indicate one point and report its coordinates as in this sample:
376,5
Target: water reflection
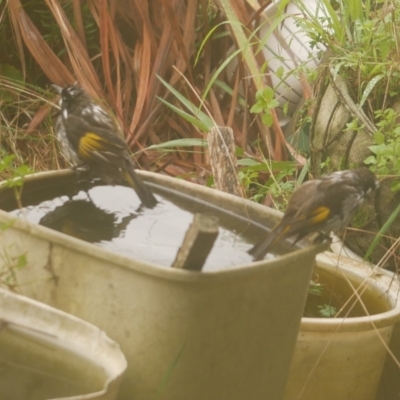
112,217
83,220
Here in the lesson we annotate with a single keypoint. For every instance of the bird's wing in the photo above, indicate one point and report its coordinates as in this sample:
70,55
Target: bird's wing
94,143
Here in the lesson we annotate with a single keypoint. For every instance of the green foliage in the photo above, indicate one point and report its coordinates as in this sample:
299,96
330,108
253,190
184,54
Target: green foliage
248,176
19,174
196,117
315,288
327,311
363,38
279,186
8,276
15,172
6,162
172,144
382,231
282,188
365,51
385,158
317,292
265,103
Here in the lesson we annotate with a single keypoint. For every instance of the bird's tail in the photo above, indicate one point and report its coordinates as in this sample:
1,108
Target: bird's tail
259,250
145,195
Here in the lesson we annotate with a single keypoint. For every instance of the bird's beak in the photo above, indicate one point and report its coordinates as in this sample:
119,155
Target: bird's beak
57,88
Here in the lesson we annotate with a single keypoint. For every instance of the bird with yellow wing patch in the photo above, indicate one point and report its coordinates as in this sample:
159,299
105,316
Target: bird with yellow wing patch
88,136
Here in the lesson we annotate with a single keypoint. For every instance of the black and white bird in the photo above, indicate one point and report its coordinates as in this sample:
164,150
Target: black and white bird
321,205
88,136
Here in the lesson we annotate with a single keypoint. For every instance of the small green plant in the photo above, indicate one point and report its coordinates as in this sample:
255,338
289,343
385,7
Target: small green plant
15,175
317,306
362,68
315,288
365,54
385,158
265,103
327,311
279,186
11,264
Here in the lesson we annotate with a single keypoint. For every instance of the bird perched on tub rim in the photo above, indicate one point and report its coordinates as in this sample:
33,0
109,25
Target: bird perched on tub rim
320,205
88,136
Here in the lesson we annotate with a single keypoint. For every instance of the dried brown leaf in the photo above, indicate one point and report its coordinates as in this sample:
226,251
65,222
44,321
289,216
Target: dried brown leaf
40,50
17,33
80,61
144,74
77,6
171,11
104,43
38,118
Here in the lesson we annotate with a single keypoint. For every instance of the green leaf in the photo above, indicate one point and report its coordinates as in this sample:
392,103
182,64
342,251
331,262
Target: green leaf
303,173
327,311
11,73
267,119
218,71
207,37
273,104
238,151
180,143
6,162
395,186
382,231
204,119
355,9
379,138
368,89
229,90
379,148
257,108
268,93
286,109
370,160
273,24
204,127
249,162
280,72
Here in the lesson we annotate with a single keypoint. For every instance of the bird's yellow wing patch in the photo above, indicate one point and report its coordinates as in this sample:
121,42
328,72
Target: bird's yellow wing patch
88,143
320,214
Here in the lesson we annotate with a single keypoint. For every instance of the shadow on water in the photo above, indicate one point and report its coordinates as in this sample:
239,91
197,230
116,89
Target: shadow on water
112,217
